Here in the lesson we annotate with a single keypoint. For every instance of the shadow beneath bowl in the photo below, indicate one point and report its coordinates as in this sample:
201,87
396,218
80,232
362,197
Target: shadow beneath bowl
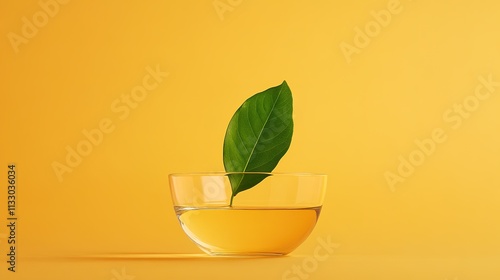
160,256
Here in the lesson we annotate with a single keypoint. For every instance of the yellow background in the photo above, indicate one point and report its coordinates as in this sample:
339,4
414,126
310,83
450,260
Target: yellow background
352,121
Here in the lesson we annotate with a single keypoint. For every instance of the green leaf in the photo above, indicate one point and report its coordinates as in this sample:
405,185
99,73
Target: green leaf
257,137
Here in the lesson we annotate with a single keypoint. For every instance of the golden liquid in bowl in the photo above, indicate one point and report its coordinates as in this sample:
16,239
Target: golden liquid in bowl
248,231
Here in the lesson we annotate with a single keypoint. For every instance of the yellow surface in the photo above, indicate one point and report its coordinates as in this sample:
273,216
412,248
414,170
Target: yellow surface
397,101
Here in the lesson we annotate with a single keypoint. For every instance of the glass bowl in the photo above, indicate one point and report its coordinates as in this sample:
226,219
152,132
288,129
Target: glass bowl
272,218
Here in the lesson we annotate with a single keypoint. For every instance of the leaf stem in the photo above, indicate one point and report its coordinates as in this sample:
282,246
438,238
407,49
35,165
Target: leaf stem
231,201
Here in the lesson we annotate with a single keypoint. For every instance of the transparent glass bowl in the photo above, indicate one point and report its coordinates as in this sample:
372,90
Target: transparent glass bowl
272,218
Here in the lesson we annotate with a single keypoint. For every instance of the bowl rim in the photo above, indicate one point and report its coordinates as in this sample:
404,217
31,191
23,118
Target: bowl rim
223,173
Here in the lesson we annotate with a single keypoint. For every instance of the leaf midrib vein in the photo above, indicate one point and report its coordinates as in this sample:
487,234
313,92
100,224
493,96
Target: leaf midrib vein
262,129
260,133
